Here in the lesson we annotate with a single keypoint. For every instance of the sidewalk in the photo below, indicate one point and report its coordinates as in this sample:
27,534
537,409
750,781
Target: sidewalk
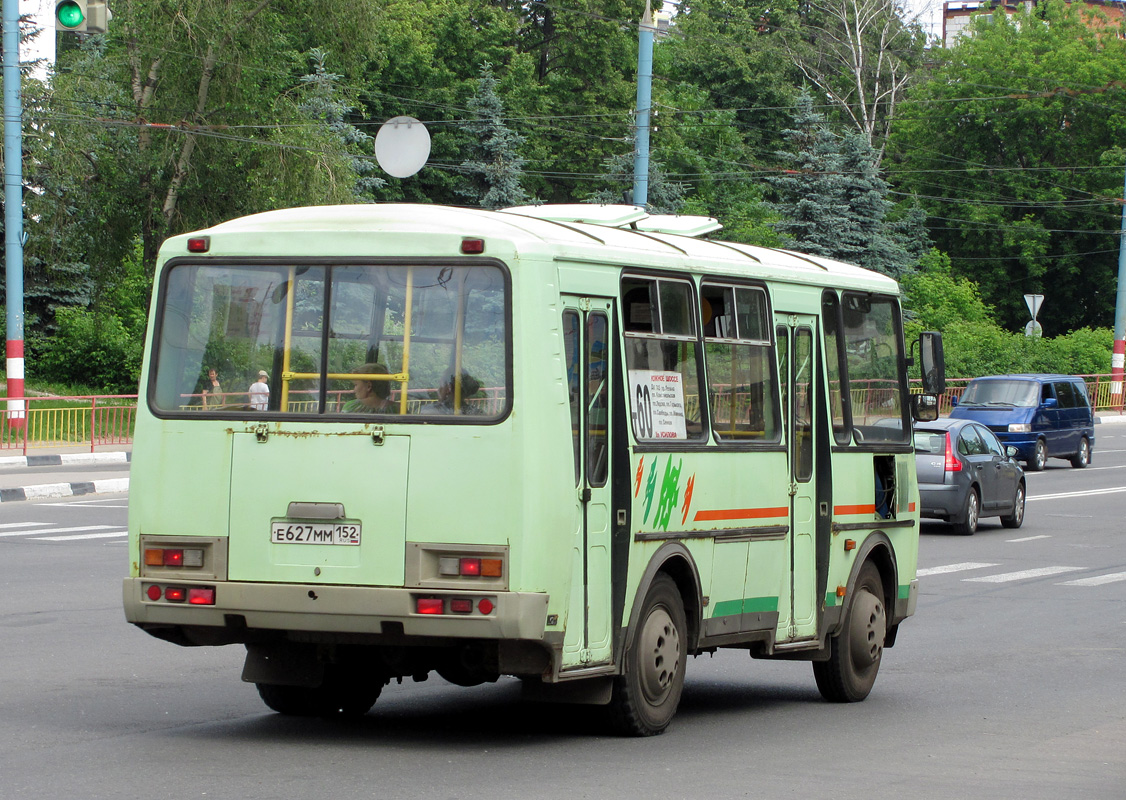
64,472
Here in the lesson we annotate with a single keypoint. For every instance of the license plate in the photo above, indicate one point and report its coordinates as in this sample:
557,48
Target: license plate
346,533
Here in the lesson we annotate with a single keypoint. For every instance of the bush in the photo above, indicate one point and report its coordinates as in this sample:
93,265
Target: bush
92,349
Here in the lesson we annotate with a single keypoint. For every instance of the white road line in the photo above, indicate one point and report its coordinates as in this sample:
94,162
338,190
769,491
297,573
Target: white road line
109,535
20,524
922,573
1030,538
1098,580
59,530
1007,577
1089,493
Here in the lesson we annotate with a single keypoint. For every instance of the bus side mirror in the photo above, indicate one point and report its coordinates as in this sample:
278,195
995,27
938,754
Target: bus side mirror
932,365
924,407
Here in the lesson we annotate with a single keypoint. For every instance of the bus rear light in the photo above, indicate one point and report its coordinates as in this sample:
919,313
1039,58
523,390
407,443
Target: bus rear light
492,567
485,606
199,244
175,594
200,595
461,605
470,567
430,605
472,246
174,557
154,592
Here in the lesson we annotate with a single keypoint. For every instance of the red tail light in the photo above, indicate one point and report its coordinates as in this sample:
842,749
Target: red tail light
952,463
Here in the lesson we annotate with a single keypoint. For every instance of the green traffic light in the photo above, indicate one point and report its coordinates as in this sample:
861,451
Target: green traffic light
69,14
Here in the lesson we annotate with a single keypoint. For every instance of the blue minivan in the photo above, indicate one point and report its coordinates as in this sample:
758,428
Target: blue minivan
1042,416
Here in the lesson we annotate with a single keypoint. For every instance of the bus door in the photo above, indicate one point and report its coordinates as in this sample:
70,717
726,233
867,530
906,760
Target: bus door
586,334
797,361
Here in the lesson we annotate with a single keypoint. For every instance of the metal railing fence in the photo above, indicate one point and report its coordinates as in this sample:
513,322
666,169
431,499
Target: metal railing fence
101,420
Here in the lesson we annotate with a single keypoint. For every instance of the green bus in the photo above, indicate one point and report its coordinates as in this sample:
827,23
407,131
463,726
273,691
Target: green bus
560,443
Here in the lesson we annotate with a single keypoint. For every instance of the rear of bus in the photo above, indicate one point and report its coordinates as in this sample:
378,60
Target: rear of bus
364,523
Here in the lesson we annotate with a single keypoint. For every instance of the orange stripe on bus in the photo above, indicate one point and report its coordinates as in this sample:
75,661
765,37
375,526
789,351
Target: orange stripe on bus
869,509
740,513
910,506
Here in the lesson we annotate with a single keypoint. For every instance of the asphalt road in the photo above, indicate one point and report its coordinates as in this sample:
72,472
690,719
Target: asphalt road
1008,683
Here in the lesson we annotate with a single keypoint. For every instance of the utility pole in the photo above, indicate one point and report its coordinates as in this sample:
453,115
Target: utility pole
1119,355
13,211
646,31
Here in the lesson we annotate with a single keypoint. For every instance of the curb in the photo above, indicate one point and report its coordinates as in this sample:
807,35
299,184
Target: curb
66,459
64,489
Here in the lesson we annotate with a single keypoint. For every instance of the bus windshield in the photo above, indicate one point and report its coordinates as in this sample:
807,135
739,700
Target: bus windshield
301,339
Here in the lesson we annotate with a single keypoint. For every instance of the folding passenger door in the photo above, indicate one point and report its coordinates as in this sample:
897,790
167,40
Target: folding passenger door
586,333
798,356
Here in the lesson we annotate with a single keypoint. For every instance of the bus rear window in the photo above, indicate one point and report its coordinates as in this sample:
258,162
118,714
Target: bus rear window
347,340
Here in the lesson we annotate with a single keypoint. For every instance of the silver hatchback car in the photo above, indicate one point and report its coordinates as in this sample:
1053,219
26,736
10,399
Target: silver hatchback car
965,473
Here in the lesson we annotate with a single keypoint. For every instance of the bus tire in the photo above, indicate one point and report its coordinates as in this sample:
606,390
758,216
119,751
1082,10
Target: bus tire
855,653
322,701
646,695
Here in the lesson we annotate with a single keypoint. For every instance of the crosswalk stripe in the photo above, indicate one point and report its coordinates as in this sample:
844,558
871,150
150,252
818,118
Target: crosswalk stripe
59,530
1097,580
73,537
1006,577
943,570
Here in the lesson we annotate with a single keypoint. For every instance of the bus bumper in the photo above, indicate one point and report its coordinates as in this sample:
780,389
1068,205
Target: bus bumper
247,607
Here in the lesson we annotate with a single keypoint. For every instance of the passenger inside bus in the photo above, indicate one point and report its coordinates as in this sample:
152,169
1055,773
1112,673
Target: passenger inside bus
372,396
446,392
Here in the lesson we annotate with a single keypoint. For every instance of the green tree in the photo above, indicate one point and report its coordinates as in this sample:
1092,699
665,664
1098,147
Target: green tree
1014,147
833,201
495,166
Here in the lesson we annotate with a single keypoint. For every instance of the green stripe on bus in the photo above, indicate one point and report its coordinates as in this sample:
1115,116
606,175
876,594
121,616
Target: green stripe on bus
748,605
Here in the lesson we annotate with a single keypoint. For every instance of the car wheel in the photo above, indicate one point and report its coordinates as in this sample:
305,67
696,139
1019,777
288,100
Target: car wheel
1039,456
855,653
1083,457
967,525
1016,519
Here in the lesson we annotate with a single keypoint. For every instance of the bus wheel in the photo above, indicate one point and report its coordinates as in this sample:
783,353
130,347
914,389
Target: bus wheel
323,701
855,653
647,693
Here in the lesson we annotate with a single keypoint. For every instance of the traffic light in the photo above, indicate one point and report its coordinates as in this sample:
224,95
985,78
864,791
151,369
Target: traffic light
81,16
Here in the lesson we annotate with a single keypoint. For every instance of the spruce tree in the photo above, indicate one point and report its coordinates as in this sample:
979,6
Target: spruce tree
834,202
495,166
324,105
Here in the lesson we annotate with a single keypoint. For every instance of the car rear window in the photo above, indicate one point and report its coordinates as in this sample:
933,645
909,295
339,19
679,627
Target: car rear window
930,442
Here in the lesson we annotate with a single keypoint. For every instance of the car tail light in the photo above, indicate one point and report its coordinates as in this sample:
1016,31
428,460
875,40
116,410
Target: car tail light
952,464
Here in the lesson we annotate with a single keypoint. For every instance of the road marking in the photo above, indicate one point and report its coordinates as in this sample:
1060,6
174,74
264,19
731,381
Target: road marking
1030,538
20,524
59,530
1098,580
922,573
1089,493
74,537
1007,577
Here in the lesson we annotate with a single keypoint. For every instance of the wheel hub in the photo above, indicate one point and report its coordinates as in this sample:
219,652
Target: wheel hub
660,655
869,624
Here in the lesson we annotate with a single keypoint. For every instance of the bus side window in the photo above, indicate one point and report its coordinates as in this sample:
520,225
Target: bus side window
739,362
662,358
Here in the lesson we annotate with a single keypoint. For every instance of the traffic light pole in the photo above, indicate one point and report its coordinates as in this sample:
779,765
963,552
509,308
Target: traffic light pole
13,211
